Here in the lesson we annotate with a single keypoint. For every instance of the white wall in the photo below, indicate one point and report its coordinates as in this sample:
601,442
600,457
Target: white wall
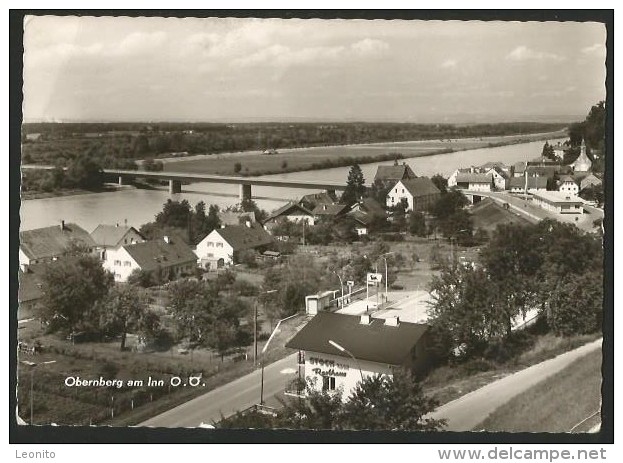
213,247
347,371
479,186
23,258
119,263
569,187
397,193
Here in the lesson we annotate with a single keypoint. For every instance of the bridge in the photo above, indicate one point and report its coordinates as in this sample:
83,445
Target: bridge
176,179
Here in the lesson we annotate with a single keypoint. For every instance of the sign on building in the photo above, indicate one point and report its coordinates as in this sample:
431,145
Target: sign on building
374,278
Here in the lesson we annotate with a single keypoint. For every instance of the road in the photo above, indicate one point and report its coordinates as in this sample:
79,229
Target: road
228,399
466,412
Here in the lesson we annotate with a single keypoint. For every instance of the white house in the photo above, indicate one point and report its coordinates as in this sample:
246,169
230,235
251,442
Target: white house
329,341
555,201
113,236
474,182
567,185
220,247
418,193
499,177
292,212
49,243
518,184
168,255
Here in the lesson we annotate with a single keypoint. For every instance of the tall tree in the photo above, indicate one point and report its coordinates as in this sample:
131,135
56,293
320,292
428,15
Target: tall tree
125,310
440,182
71,287
355,186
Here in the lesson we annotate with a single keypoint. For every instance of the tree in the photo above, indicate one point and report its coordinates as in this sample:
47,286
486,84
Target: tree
84,172
417,224
440,182
548,151
458,226
71,287
125,310
175,214
576,305
192,304
395,403
142,278
355,186
448,204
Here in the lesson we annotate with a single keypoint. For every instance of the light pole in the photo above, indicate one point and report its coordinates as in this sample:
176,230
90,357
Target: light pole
342,287
32,377
270,291
343,349
385,259
264,350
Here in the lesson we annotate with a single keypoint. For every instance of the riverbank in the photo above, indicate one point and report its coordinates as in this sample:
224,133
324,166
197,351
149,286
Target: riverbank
107,188
254,163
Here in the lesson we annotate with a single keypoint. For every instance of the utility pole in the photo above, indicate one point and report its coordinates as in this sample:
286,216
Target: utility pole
255,334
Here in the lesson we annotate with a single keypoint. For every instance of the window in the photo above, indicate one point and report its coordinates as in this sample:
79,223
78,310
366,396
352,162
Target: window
117,262
219,245
328,383
127,263
403,190
210,244
210,254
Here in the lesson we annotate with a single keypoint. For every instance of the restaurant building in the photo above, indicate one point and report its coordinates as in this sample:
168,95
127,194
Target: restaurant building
338,350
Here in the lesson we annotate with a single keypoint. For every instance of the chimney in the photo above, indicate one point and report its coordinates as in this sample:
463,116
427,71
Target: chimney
167,239
62,225
117,225
324,207
222,225
392,321
365,319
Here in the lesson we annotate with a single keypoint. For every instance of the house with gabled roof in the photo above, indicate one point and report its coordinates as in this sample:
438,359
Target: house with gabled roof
329,210
113,236
310,201
418,194
50,243
338,350
222,245
519,184
474,181
292,212
392,174
589,181
169,255
567,185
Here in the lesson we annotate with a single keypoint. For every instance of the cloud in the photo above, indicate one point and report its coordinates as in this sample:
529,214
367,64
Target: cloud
523,53
449,64
597,49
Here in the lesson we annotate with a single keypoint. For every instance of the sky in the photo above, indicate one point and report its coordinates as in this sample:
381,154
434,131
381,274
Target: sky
236,70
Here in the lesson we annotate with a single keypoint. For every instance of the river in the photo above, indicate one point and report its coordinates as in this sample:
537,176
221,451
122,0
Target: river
136,207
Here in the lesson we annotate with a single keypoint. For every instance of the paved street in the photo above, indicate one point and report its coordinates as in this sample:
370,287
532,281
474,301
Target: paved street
466,412
229,398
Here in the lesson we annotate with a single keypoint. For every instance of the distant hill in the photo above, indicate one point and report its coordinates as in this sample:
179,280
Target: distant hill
488,214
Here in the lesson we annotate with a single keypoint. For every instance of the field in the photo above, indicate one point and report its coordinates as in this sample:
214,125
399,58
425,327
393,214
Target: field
300,159
557,404
55,402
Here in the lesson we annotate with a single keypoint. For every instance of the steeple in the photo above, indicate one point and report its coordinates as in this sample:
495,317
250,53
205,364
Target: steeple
583,148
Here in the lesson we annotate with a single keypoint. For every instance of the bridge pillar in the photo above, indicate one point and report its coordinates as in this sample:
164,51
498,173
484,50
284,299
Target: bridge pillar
245,192
175,186
120,180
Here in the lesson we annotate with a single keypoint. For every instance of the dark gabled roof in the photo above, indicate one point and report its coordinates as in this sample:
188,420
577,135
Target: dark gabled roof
548,171
241,237
234,218
111,235
53,241
360,217
567,178
421,186
154,254
287,210
533,182
330,209
393,173
375,342
372,206
473,178
318,198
